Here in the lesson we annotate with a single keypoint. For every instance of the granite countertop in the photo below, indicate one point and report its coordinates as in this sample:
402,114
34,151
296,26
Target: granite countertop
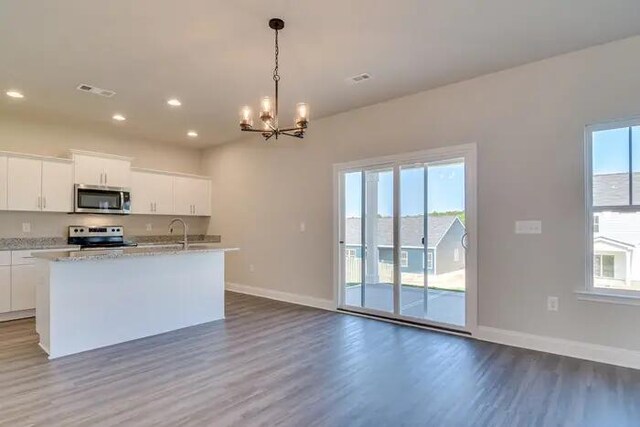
94,255
25,243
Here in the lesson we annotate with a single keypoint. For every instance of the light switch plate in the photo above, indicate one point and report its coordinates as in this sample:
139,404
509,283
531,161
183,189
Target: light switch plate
26,227
553,303
303,227
529,227
149,227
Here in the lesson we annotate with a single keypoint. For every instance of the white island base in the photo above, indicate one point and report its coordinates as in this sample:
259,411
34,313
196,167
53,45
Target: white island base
84,304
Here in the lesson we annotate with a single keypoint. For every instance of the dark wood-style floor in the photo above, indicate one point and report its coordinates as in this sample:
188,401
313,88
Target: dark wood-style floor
271,363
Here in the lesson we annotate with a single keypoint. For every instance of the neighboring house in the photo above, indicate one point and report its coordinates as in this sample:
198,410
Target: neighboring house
445,252
616,235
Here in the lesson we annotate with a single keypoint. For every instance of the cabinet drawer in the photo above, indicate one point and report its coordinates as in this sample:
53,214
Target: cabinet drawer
5,257
22,257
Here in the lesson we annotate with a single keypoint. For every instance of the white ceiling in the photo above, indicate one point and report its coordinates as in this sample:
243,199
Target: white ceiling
218,55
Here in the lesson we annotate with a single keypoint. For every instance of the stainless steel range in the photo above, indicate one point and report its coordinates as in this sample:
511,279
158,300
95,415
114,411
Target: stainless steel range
103,237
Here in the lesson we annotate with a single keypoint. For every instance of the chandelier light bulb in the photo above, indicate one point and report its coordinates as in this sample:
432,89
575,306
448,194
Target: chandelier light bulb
303,114
246,121
266,109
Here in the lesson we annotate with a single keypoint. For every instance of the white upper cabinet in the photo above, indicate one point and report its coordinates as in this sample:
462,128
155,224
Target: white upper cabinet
24,179
203,197
57,186
105,171
3,183
151,193
192,196
39,185
117,173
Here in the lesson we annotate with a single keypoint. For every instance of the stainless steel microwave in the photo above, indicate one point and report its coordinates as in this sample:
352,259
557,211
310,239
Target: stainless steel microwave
102,200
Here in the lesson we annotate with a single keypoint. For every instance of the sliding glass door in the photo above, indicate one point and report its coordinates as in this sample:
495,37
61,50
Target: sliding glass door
404,239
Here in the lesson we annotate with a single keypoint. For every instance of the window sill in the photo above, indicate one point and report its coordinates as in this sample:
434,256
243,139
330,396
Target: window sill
607,297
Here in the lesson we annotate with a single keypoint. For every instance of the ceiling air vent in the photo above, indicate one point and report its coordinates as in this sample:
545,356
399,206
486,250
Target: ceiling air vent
96,90
359,78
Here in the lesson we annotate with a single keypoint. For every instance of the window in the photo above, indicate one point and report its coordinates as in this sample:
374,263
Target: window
614,209
603,266
404,259
351,253
429,260
456,255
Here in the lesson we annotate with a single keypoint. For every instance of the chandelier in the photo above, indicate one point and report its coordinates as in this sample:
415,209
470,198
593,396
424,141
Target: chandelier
269,109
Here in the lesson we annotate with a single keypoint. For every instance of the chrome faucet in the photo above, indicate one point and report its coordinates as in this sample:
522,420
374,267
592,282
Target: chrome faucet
185,243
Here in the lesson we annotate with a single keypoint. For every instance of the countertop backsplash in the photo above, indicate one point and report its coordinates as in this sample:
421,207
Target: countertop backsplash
54,225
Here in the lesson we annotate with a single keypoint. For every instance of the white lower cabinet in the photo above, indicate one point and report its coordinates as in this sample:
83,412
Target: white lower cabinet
5,289
23,287
19,277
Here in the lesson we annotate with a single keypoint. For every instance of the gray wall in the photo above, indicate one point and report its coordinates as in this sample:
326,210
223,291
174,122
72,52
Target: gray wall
528,123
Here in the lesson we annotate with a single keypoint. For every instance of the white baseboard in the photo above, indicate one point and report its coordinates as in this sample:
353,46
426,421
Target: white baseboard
324,304
580,350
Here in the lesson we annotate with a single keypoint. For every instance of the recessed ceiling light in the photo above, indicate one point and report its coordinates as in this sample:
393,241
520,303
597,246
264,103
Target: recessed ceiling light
174,102
192,133
14,94
119,117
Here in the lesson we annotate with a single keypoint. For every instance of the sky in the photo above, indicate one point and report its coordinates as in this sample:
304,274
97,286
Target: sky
610,151
445,185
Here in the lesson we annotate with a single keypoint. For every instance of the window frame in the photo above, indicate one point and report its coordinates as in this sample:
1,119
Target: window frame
589,291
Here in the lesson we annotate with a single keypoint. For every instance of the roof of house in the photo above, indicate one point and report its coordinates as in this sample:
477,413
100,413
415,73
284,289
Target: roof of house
613,189
411,230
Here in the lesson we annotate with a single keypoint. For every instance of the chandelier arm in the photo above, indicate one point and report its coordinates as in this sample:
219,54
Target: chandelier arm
292,129
252,130
300,136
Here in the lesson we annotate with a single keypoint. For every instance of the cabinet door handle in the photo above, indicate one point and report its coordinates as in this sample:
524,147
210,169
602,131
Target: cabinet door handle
151,206
106,178
44,202
155,207
101,177
39,202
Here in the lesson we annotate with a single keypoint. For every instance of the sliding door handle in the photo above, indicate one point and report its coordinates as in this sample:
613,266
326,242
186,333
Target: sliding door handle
464,241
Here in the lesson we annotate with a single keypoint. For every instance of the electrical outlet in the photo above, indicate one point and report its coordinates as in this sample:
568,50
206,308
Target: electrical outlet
252,268
303,227
553,303
149,227
26,227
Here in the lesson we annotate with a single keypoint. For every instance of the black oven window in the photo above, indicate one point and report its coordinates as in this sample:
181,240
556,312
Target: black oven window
96,199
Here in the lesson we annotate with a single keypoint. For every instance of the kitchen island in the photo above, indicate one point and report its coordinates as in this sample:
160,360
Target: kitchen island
91,299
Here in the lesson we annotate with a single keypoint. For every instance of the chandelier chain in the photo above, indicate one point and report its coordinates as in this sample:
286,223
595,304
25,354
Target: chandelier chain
276,76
